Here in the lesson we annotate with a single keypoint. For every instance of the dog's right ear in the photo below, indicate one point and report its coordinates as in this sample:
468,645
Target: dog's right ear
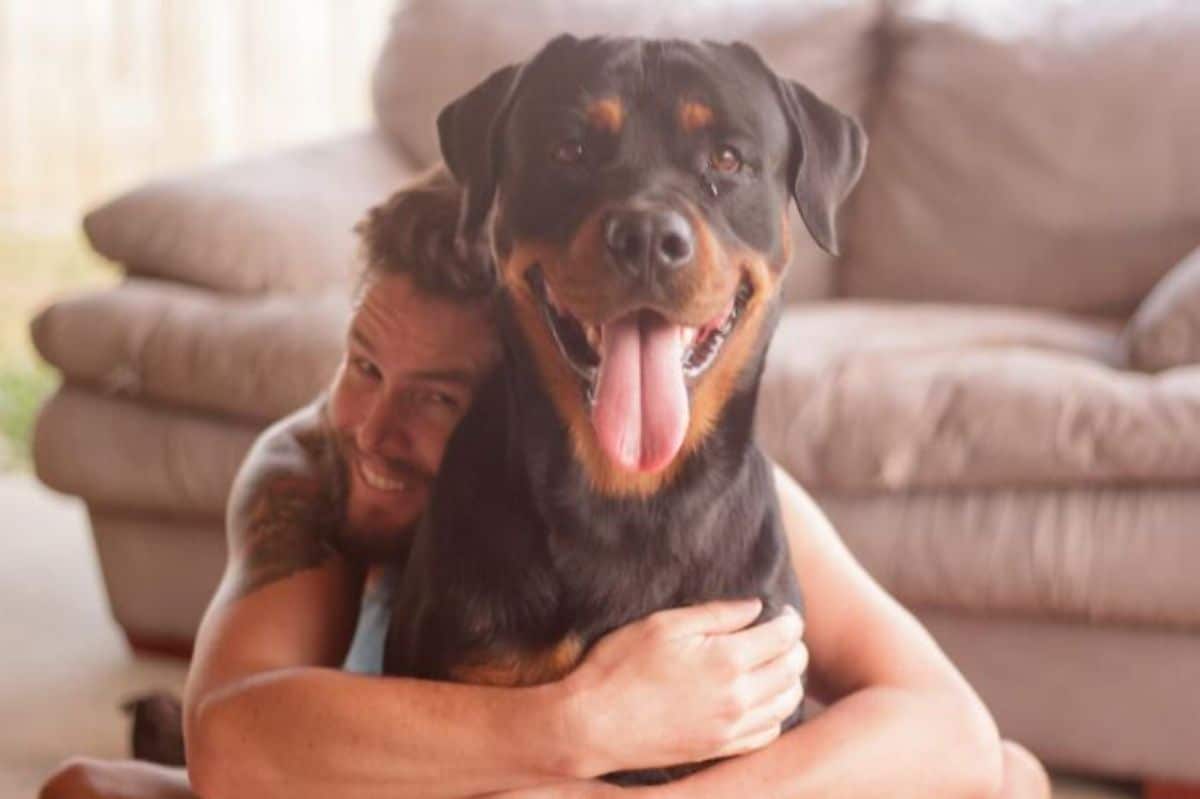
469,133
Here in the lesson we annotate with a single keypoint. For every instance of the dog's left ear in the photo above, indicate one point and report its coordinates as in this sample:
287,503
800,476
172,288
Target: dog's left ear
828,152
469,132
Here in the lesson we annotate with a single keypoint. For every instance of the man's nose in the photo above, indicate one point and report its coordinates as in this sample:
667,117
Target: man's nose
384,430
649,242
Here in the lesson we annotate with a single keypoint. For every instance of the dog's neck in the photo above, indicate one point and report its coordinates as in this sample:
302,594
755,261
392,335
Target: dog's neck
539,451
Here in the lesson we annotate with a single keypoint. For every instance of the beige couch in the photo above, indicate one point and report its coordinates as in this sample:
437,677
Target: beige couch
995,394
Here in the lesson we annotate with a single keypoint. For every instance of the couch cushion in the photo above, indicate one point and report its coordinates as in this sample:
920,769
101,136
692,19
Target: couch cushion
1165,331
257,358
871,397
1099,555
123,455
439,49
278,222
1031,153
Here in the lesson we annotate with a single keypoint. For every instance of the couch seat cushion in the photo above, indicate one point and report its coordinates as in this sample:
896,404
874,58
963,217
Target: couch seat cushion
862,397
1101,555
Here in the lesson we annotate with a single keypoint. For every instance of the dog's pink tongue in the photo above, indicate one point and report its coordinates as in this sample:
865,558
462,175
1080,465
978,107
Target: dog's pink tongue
641,408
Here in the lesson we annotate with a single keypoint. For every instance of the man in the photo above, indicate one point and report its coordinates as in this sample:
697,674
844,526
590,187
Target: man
329,495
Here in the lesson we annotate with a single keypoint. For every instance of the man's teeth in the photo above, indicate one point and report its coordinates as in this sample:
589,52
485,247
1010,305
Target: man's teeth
595,337
553,300
687,335
381,482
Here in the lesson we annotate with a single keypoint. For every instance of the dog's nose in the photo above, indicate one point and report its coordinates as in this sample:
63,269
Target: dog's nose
642,242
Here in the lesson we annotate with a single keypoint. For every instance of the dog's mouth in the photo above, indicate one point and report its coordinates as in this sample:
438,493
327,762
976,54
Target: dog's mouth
635,371
580,344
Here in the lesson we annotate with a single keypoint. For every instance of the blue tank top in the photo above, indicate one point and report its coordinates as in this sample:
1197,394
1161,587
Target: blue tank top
370,634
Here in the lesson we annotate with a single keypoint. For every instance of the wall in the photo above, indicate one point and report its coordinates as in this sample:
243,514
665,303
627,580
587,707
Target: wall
97,95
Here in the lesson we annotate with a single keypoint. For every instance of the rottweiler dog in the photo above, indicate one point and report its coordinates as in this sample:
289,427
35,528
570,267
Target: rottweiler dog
634,196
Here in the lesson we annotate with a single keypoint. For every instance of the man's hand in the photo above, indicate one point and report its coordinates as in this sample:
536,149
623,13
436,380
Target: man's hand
685,685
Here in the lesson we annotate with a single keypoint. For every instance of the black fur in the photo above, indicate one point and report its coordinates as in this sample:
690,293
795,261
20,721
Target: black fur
518,550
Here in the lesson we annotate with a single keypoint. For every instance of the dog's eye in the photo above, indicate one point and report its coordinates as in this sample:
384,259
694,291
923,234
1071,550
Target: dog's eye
569,151
725,160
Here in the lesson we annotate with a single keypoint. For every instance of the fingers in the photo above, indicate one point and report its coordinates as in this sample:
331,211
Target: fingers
769,695
749,743
774,677
763,642
711,618
770,714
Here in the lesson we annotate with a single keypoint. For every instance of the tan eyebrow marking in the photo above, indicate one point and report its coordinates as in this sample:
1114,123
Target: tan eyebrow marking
694,115
606,114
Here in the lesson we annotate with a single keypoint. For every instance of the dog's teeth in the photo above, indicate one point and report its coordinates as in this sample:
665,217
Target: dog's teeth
687,335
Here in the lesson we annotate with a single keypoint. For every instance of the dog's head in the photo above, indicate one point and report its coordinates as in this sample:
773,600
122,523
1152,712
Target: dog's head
638,194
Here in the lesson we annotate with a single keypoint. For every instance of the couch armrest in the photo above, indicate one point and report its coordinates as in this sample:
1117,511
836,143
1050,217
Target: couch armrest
276,222
251,358
1165,330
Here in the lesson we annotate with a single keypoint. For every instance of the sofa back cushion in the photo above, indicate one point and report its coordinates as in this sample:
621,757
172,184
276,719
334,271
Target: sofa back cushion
1030,152
438,49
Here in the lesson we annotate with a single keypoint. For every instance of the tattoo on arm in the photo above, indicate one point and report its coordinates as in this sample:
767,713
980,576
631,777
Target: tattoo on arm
289,527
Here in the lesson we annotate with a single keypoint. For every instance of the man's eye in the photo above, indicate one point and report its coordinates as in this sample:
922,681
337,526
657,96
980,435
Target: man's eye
365,368
726,160
569,152
440,398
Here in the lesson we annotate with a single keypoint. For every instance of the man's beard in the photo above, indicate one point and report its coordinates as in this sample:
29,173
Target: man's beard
381,540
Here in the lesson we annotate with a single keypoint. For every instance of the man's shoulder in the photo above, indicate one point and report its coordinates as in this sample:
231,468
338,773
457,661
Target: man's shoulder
297,455
287,502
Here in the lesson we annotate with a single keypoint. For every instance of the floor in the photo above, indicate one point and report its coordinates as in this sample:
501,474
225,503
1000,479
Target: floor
66,669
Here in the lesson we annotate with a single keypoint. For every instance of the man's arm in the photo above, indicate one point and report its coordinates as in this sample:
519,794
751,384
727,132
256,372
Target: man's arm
902,722
268,713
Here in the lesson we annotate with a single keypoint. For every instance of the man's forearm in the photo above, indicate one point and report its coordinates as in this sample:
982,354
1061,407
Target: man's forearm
312,732
880,742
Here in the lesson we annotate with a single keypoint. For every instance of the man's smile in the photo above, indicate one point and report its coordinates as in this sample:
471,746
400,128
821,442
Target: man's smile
391,480
378,481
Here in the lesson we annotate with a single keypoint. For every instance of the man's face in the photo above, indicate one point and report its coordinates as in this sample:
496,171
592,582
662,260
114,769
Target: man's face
411,367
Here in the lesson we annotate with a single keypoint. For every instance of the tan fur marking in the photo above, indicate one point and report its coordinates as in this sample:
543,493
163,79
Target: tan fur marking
785,237
694,116
716,386
606,114
512,669
583,282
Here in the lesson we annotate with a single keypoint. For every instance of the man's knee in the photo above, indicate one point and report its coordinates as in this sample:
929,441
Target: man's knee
1024,776
87,778
73,779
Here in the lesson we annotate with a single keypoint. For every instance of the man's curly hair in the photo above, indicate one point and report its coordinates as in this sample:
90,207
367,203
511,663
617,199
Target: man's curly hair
413,233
